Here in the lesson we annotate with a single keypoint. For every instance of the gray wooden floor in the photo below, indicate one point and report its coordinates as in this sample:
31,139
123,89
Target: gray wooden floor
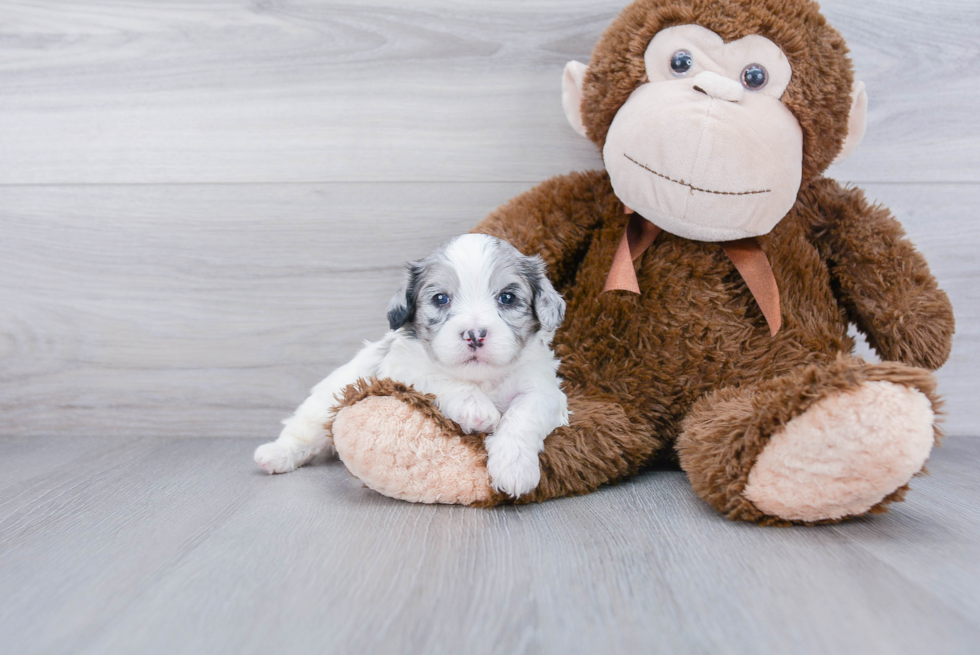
149,545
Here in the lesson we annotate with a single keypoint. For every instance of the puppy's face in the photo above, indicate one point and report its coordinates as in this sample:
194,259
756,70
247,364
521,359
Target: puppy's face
475,303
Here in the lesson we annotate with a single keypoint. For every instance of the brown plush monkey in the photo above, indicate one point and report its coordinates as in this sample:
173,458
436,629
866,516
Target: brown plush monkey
716,119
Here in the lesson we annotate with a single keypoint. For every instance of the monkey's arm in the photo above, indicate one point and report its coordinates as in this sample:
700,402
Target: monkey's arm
880,278
556,220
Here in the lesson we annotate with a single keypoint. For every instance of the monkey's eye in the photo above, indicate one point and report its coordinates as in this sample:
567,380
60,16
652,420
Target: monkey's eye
754,77
681,62
440,299
506,298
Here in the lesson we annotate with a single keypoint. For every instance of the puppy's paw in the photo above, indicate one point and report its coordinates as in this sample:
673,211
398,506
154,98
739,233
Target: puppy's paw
473,413
513,470
274,457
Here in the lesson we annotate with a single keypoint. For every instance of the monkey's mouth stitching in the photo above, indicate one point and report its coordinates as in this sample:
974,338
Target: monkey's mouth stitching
694,188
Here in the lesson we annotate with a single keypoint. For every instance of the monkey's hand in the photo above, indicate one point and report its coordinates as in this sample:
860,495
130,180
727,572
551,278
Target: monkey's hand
881,280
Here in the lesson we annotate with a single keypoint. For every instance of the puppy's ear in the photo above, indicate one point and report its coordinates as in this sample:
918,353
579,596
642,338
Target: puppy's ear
402,304
548,303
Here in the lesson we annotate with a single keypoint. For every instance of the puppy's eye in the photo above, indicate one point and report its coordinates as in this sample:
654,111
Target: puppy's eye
440,299
754,77
681,62
506,298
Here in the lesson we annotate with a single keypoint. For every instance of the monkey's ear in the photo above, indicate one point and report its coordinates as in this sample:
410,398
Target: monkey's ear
571,94
857,121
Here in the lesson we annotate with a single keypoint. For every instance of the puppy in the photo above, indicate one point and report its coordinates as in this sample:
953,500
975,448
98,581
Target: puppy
473,325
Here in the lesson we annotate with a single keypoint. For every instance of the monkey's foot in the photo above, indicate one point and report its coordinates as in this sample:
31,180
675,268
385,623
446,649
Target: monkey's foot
822,443
400,446
844,455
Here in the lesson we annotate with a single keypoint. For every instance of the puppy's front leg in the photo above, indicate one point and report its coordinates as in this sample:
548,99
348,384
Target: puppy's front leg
512,451
304,435
464,403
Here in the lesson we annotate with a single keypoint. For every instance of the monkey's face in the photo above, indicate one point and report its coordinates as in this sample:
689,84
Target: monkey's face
712,115
705,149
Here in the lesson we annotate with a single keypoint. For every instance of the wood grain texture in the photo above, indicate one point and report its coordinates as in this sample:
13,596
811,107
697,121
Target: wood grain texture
208,310
167,546
200,311
104,91
211,310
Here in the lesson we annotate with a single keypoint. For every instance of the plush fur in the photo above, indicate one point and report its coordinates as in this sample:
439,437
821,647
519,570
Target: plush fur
688,372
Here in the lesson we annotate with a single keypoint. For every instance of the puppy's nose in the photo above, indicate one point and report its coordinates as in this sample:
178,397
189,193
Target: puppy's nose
474,338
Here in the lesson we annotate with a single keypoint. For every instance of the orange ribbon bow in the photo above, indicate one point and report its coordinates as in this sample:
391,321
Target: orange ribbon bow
746,254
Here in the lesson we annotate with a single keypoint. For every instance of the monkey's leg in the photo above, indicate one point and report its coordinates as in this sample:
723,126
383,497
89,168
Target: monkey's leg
823,443
396,442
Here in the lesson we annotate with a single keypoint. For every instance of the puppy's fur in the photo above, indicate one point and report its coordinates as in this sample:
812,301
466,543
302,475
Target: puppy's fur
473,326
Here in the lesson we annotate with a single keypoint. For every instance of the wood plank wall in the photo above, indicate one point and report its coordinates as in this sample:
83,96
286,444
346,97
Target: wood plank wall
204,205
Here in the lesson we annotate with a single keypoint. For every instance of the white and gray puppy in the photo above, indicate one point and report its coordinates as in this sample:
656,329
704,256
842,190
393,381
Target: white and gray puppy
473,325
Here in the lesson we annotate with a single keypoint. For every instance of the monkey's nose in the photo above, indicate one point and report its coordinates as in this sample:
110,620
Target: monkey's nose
718,86
474,338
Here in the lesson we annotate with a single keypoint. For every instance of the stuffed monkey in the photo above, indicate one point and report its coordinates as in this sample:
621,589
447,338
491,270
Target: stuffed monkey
710,274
